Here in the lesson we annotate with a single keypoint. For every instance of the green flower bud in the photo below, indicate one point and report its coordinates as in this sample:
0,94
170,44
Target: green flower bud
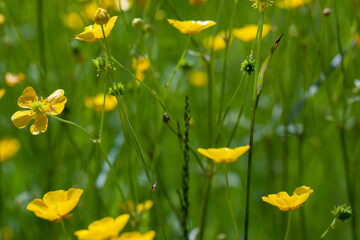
342,212
137,23
118,89
248,65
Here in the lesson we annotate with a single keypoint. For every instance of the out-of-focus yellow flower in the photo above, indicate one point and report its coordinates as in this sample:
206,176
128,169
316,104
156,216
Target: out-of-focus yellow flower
140,64
217,42
191,27
89,9
198,79
6,233
105,228
73,20
2,92
140,207
248,33
2,19
8,148
125,4
53,105
224,154
356,38
96,102
13,79
284,202
292,3
197,2
150,235
55,204
261,4
94,33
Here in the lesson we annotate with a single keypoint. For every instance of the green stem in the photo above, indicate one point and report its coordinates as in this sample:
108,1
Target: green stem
76,125
135,141
210,102
177,65
288,225
332,225
102,113
204,203
230,202
41,39
64,229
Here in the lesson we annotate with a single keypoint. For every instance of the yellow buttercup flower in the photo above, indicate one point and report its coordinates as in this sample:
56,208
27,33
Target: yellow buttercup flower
198,79
248,33
217,42
191,27
2,92
284,202
8,148
150,235
2,19
287,4
13,79
72,20
55,204
226,155
104,228
261,4
197,2
96,102
52,105
94,33
141,64
140,207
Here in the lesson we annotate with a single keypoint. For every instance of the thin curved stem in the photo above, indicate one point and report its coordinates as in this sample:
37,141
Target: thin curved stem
230,202
288,225
64,229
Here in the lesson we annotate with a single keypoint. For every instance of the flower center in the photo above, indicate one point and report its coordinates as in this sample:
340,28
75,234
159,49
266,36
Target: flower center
37,106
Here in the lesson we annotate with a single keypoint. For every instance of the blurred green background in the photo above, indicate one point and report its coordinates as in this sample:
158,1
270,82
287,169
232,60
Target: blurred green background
294,144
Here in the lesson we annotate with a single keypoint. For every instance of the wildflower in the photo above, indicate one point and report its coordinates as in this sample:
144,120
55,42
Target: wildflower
357,40
198,78
101,16
140,207
342,212
104,228
2,19
96,102
287,4
2,92
191,27
55,204
8,148
125,4
261,4
140,64
117,89
94,33
53,105
13,79
284,202
150,235
197,2
224,154
216,43
248,33
72,20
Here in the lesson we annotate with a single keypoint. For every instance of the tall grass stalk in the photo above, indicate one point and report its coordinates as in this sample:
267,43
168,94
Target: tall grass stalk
253,110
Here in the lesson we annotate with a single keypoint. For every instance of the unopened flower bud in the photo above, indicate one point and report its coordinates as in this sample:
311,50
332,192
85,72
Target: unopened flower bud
248,65
137,23
148,28
117,89
101,16
342,212
326,12
166,118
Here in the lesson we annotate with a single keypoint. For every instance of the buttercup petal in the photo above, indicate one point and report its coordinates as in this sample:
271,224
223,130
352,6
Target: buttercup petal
41,210
71,199
40,125
55,103
27,98
191,27
22,118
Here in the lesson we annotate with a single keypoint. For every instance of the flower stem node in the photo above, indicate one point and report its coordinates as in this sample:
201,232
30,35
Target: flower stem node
248,65
137,23
342,212
101,16
117,90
